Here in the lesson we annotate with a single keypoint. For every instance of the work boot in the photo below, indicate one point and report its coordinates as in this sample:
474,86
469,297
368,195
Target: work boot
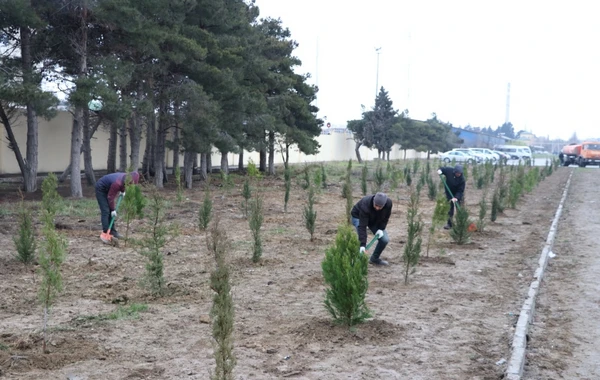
378,262
448,225
115,234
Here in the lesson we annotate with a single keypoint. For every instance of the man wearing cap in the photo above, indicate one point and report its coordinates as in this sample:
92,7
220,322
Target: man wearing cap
373,211
107,192
456,184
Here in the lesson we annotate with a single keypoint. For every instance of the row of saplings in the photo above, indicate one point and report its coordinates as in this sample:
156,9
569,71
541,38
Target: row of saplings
344,270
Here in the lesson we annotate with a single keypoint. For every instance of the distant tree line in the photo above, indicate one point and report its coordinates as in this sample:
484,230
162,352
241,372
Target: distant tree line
382,127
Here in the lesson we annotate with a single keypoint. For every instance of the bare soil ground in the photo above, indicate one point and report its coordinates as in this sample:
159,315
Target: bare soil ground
565,337
453,321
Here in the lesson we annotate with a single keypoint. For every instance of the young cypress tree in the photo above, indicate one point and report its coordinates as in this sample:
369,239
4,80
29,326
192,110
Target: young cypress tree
52,252
460,229
133,204
345,274
255,221
482,213
205,212
495,206
412,248
288,185
310,215
179,184
222,311
247,194
439,217
363,179
323,176
25,243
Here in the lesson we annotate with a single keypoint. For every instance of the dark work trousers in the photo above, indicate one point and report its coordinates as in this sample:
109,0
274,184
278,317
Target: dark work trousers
451,212
102,198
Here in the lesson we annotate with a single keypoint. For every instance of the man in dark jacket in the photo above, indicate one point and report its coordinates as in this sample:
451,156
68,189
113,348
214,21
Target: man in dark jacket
456,184
373,211
107,192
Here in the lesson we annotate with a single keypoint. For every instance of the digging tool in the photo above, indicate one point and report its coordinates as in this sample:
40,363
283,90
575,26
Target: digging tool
472,226
106,235
375,238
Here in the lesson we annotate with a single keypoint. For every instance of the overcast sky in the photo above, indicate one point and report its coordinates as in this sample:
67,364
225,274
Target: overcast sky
454,58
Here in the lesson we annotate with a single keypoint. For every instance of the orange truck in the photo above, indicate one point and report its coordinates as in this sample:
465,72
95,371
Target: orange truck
586,153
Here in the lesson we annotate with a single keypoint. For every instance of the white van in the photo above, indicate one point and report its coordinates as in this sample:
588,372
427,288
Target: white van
516,152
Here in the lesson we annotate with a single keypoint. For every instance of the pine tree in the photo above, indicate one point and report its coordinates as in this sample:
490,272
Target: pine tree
440,214
246,194
460,229
345,274
133,205
205,212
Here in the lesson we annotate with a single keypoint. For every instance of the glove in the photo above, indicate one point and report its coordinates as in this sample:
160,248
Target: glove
379,234
123,193
440,171
113,214
362,250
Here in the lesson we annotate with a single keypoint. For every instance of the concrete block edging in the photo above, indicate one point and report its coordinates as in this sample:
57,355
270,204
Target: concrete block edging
516,363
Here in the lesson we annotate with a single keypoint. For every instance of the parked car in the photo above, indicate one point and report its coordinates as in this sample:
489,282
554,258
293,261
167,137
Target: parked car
476,156
516,152
503,156
457,156
487,154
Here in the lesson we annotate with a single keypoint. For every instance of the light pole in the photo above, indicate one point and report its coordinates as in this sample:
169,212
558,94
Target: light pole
378,51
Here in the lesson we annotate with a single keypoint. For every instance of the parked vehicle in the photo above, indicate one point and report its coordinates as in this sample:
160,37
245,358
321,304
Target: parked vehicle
586,153
502,155
457,156
487,154
516,152
476,156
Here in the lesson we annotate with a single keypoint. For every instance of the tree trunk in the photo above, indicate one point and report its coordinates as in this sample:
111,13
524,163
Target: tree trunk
67,171
87,149
135,133
271,153
224,163
286,160
209,164
12,140
78,118
161,138
31,164
203,166
176,148
262,165
76,146
111,160
188,168
122,145
148,162
357,151
241,161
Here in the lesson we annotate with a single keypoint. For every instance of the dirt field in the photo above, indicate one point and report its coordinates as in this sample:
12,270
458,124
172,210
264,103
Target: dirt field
565,335
453,321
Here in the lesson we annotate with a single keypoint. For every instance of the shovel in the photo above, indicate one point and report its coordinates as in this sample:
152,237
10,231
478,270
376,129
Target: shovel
472,226
106,235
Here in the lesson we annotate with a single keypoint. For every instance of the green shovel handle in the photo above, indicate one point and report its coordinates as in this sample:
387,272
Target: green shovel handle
443,178
375,238
112,220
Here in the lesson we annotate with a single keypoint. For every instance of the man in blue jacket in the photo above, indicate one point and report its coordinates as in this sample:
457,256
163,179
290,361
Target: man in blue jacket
107,192
373,211
456,184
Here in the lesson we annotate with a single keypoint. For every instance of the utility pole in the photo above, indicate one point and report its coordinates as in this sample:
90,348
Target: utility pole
378,51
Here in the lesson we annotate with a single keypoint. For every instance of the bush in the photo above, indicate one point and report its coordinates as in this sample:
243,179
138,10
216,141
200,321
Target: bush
345,274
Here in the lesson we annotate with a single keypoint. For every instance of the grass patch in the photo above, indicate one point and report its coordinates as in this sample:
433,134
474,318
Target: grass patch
123,312
3,347
79,208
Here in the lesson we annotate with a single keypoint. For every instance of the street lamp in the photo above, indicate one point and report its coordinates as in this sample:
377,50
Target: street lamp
378,51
